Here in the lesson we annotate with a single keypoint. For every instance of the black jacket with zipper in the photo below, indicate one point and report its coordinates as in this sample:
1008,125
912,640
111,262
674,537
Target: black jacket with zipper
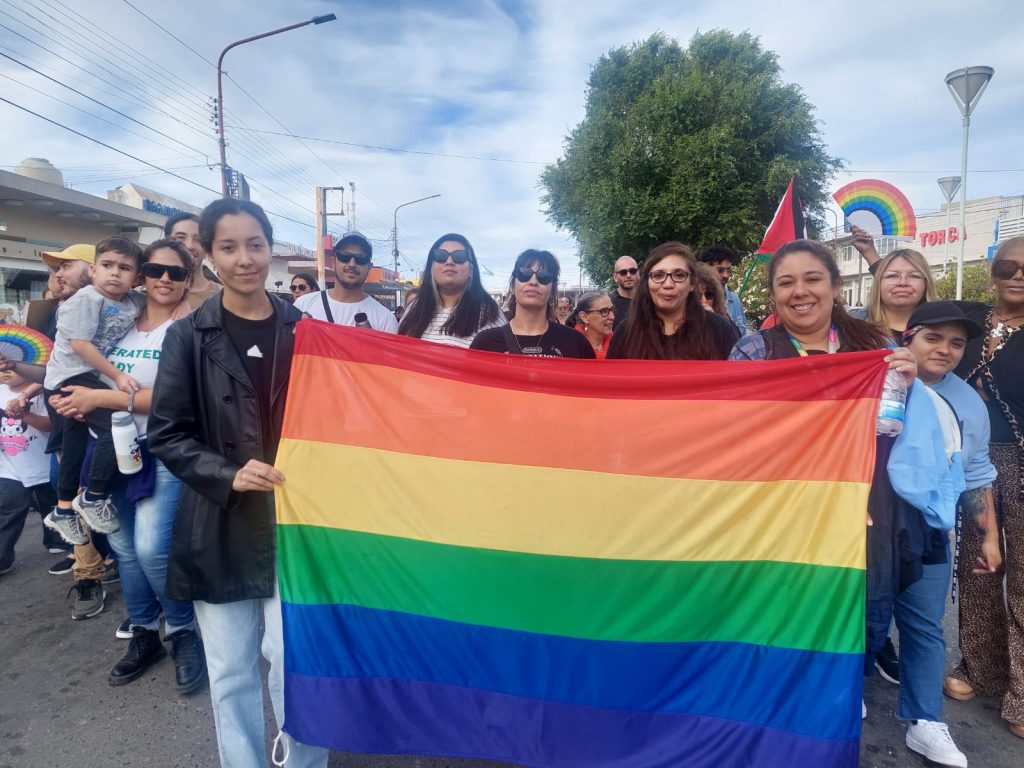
204,426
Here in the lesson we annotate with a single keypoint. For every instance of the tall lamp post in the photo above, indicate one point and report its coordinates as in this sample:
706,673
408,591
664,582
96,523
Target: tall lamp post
220,89
949,185
966,85
394,232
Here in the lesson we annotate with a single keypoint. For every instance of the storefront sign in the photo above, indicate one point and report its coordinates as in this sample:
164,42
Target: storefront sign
939,236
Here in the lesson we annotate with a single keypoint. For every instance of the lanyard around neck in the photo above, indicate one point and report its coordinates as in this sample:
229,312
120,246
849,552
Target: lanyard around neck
833,343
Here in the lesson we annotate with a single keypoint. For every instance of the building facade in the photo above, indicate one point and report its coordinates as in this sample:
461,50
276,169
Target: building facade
937,240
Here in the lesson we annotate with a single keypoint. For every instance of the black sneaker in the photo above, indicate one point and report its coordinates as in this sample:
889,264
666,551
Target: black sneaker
144,650
53,543
189,661
887,662
62,566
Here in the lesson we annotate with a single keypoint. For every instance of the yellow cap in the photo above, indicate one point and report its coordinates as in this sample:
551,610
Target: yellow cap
77,252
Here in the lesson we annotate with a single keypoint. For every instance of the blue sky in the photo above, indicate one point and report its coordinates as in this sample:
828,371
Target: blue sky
496,79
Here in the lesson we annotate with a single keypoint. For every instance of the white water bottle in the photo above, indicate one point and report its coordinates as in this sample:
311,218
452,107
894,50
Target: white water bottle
893,405
126,442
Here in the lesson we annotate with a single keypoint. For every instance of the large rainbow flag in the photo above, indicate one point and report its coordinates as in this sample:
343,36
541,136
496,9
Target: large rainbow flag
574,563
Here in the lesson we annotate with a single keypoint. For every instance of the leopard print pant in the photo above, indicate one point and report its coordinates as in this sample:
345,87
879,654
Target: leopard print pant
991,633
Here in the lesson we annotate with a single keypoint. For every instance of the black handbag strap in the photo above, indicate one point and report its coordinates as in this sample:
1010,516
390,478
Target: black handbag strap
511,342
327,307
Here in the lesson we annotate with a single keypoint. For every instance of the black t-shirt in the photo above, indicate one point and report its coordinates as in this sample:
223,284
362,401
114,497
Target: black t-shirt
557,341
1007,371
723,333
621,304
255,342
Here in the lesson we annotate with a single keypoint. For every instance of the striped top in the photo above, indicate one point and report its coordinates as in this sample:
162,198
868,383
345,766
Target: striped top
434,333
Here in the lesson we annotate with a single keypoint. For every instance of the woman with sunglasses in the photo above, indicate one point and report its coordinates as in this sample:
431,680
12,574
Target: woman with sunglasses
302,284
666,320
146,501
710,290
531,329
595,319
991,621
451,305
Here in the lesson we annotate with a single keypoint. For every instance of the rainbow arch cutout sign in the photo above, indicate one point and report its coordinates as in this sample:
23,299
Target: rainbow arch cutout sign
882,199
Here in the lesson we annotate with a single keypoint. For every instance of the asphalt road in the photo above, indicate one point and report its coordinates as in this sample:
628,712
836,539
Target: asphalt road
57,709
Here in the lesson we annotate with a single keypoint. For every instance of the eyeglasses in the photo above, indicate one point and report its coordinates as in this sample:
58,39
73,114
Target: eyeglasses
440,256
523,275
660,275
630,271
157,271
910,277
709,295
603,311
1006,269
298,288
359,258
724,271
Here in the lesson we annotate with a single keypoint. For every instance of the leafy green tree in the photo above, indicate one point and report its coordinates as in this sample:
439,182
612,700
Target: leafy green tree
694,144
977,283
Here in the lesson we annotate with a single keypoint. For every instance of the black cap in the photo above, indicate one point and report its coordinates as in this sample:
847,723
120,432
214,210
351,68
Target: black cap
937,313
355,237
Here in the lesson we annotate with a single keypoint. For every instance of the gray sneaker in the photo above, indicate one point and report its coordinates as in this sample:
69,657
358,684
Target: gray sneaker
88,600
67,525
100,516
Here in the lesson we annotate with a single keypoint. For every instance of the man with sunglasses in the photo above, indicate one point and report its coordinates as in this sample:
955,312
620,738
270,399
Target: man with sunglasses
625,276
724,260
342,302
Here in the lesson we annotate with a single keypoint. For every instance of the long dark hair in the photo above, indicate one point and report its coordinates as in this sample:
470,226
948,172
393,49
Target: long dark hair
546,260
644,338
856,335
475,309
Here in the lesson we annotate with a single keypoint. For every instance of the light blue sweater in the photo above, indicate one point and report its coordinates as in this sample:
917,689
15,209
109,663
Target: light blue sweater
975,427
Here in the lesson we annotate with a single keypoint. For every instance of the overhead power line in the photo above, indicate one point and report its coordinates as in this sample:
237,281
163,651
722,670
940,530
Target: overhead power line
139,159
410,151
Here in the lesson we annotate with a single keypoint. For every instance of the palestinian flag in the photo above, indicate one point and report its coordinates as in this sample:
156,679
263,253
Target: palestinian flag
788,223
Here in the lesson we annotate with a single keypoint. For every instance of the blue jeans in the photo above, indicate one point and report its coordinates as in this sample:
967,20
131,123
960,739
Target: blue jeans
231,638
141,546
918,613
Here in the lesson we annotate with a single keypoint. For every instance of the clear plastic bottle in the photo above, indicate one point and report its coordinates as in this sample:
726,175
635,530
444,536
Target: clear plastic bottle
361,320
126,442
893,405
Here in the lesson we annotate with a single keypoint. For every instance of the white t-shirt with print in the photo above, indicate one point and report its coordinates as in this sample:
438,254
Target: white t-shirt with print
22,448
138,355
380,317
433,331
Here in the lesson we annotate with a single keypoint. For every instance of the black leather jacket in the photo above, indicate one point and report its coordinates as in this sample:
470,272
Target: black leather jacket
204,426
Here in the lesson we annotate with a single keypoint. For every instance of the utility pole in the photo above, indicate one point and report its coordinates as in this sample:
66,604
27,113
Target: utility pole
321,230
352,206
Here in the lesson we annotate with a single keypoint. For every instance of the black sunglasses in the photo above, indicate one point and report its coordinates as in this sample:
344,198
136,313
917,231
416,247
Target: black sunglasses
156,271
359,258
1006,269
709,295
523,275
300,287
630,271
440,256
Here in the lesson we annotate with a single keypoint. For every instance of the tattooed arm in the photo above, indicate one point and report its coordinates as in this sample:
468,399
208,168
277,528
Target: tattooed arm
979,504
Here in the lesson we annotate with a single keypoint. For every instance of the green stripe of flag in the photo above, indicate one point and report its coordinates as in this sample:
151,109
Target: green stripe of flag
789,605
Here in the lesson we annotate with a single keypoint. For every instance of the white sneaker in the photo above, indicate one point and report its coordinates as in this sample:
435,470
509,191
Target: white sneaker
932,739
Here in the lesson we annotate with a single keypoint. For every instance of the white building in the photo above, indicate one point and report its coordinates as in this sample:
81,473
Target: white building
939,244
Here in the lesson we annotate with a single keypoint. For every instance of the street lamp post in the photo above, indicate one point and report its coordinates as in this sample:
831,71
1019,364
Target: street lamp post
949,185
220,89
966,85
394,232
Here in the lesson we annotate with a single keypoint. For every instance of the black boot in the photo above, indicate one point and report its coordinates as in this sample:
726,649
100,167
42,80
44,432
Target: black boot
189,661
144,650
